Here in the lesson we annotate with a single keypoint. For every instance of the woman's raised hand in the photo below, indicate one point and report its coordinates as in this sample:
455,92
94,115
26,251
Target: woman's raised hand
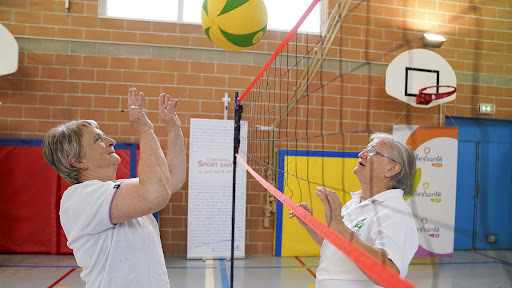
137,113
307,208
168,112
332,207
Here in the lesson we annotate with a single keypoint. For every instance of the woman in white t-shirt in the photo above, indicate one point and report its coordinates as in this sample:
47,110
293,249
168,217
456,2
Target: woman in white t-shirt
377,219
109,222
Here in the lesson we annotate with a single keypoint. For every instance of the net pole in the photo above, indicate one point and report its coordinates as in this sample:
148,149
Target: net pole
238,116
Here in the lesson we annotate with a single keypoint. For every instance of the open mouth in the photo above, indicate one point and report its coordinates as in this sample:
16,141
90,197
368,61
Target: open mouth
360,163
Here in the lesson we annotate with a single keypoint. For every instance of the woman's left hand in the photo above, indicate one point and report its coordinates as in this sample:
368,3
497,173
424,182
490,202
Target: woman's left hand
167,107
332,208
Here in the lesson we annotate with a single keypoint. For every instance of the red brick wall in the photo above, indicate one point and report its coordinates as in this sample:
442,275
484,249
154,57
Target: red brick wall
52,86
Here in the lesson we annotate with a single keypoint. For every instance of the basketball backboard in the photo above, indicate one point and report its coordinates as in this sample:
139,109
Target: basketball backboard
8,52
416,69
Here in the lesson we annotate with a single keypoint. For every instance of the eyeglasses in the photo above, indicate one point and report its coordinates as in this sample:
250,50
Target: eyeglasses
372,151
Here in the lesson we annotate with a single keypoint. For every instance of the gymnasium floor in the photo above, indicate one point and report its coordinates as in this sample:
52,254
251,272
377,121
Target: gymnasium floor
484,268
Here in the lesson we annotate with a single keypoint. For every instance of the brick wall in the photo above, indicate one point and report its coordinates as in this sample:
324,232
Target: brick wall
77,65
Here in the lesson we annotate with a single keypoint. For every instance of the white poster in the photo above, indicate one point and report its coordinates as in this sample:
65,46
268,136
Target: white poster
433,202
210,190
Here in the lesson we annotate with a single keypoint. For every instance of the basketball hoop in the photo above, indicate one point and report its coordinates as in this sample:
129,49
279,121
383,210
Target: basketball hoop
424,98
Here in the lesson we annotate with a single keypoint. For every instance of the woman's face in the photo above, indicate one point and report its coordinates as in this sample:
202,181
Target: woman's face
99,155
374,167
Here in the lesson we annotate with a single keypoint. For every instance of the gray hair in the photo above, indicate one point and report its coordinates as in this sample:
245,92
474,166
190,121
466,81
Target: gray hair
405,157
63,141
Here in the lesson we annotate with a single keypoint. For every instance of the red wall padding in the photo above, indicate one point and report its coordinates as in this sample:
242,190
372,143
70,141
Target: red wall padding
27,201
30,193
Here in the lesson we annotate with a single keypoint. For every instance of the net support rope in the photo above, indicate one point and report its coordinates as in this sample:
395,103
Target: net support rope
381,273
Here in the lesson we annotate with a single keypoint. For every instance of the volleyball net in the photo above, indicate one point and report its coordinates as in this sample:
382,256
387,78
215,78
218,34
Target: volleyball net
299,102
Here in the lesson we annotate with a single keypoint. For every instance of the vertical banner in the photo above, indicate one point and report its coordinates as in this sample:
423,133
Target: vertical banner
433,202
210,190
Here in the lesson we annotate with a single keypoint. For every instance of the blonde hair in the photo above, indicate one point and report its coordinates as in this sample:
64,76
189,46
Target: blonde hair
405,157
63,141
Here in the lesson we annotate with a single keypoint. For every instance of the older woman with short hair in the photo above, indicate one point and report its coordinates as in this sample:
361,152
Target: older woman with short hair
108,222
63,142
377,219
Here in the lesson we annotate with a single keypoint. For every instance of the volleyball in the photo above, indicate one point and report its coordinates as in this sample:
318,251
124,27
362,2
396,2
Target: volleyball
234,24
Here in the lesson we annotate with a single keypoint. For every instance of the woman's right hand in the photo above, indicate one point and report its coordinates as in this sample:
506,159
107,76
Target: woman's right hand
332,207
307,208
168,114
138,117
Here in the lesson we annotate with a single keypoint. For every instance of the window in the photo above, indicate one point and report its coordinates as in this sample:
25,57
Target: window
189,11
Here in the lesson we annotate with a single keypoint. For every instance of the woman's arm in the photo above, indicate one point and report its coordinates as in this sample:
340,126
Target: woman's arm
152,190
176,159
333,203
317,238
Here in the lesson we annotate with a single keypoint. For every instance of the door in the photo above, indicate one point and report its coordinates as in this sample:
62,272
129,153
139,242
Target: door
494,198
484,184
465,202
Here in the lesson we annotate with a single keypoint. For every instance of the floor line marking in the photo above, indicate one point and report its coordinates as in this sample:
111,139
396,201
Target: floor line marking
224,273
39,266
62,278
253,267
188,267
208,274
510,263
455,263
303,264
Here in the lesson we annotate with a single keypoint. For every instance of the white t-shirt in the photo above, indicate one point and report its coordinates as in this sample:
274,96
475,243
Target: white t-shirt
384,222
128,254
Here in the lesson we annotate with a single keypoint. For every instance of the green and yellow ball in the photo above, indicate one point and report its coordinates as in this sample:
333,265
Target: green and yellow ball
234,24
